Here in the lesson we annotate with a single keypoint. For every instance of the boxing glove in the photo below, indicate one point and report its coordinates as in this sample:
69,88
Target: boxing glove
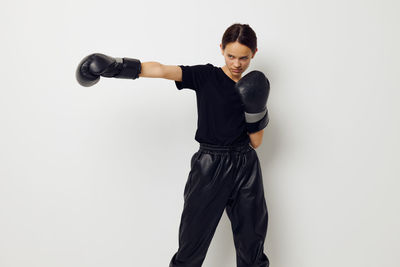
253,89
95,65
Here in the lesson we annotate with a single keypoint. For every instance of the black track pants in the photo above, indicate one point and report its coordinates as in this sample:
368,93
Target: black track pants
222,178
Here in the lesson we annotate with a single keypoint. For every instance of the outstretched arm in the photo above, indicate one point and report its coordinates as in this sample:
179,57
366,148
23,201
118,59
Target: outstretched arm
97,65
157,70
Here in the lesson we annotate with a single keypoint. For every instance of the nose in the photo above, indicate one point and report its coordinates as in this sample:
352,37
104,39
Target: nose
236,64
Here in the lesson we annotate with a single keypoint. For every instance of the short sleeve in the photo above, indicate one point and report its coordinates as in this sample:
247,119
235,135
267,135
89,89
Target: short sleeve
193,77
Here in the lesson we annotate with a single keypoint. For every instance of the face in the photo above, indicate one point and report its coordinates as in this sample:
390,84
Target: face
237,58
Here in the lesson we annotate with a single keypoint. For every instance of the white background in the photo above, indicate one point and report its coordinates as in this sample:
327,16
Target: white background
95,176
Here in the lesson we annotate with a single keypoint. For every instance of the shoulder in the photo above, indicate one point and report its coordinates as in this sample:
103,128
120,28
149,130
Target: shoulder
199,68
211,66
206,66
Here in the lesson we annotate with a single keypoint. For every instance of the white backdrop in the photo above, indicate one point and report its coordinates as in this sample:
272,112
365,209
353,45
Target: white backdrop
95,176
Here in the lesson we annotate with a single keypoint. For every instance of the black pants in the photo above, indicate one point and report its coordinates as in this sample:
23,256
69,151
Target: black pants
223,177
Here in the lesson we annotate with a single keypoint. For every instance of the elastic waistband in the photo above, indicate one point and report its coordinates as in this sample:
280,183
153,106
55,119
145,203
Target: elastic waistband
221,149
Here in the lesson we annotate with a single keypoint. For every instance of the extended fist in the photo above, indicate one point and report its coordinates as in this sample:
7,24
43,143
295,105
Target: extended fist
95,65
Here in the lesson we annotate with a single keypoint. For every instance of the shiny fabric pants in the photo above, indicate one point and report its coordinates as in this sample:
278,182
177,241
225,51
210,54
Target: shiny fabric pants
223,177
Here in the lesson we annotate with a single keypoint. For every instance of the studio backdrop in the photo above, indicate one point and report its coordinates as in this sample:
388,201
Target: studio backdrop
94,176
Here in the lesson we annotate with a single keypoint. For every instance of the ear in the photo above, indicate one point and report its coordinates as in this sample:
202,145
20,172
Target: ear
222,50
254,53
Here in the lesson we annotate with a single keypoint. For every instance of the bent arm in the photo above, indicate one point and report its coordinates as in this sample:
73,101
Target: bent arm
157,70
256,138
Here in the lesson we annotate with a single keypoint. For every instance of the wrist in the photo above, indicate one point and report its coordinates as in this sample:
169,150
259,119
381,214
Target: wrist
129,68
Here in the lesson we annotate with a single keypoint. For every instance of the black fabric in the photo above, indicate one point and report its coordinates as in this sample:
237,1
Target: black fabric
220,111
223,178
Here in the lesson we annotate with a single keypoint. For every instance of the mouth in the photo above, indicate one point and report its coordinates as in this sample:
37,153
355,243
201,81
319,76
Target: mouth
236,71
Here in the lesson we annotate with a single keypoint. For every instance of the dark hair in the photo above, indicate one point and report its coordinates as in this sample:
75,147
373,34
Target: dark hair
242,33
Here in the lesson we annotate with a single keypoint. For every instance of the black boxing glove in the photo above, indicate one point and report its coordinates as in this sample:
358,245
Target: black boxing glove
95,65
253,89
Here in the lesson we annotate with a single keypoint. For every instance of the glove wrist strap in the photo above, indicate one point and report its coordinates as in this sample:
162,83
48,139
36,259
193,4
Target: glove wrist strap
130,68
254,117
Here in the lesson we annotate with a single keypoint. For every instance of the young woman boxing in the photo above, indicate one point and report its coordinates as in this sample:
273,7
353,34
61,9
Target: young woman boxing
225,172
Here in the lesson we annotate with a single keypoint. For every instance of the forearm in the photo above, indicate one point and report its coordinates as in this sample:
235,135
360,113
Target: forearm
151,70
157,70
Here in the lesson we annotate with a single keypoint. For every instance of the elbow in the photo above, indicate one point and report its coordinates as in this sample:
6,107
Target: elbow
255,145
256,138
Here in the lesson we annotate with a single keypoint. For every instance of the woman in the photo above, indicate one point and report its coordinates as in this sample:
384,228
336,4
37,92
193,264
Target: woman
225,171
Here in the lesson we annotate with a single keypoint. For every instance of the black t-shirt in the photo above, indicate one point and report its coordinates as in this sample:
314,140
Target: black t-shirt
220,111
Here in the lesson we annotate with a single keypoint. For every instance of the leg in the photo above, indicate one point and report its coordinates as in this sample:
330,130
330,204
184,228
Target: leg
247,211
206,192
